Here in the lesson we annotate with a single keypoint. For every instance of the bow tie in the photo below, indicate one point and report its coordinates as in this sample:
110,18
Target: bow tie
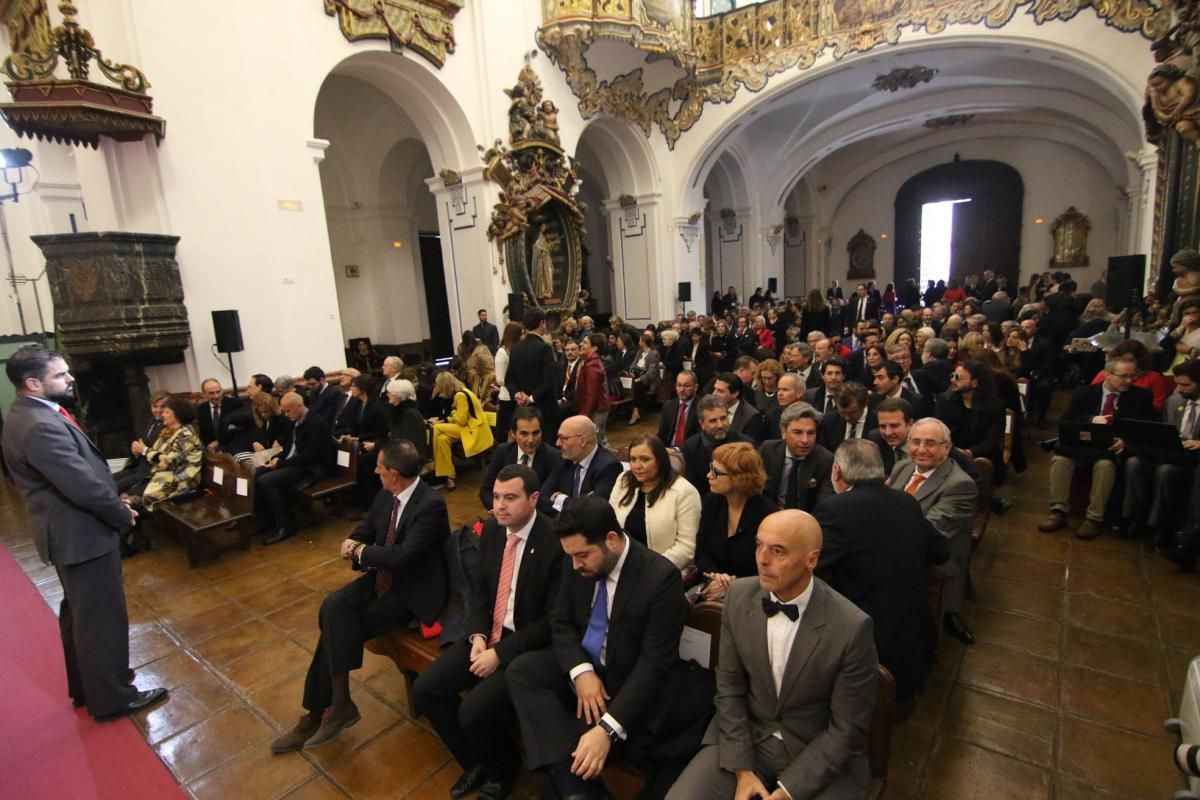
771,608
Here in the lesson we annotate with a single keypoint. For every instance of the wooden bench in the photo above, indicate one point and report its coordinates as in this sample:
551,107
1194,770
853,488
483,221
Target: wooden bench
411,652
342,481
983,505
228,499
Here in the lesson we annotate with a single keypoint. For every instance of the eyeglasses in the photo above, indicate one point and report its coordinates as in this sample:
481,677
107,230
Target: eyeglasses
926,442
716,473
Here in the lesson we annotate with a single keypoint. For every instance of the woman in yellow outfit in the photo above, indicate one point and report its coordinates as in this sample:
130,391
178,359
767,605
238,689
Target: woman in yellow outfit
466,423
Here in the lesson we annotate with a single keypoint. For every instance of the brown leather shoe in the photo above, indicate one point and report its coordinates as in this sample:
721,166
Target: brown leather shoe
1055,522
331,726
297,736
1088,530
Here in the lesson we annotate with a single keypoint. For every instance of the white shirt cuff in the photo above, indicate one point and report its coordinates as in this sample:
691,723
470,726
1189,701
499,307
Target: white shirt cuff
616,726
559,502
579,669
784,788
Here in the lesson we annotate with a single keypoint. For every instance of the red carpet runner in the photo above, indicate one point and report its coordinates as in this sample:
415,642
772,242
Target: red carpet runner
48,749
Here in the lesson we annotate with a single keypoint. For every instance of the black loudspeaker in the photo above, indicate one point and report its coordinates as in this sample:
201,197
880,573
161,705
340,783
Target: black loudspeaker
516,307
1126,279
685,291
772,285
228,329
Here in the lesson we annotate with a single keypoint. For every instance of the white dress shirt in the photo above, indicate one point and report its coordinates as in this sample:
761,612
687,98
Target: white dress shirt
586,666
523,537
781,635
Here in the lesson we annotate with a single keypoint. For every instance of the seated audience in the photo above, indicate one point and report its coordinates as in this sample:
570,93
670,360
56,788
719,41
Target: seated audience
936,364
307,457
881,568
516,583
824,397
714,431
322,397
888,381
282,385
1108,403
348,406
1146,377
131,479
788,727
798,469
405,420
527,447
398,548
853,420
369,426
679,418
730,516
655,505
176,456
744,418
647,374
481,372
585,468
766,385
974,414
259,383
603,687
257,428
789,390
948,496
211,411
466,423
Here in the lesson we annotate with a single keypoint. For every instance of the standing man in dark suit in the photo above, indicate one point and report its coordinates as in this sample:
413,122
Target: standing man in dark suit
714,431
322,397
795,682
516,584
77,521
881,568
744,418
532,377
585,468
527,448
862,306
615,629
398,547
1106,403
306,458
209,414
678,420
854,418
798,469
486,332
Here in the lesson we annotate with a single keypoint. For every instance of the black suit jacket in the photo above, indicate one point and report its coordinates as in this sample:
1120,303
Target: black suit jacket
852,312
980,429
314,446
204,423
832,430
647,618
670,413
599,479
938,372
371,423
545,460
531,369
697,458
537,587
345,417
326,402
416,557
888,454
816,398
1086,402
747,420
486,332
881,569
815,474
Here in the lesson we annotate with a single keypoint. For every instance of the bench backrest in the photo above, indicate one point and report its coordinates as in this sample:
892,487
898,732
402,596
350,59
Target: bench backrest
345,465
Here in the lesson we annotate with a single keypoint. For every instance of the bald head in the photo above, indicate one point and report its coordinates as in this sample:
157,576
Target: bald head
292,405
788,546
576,437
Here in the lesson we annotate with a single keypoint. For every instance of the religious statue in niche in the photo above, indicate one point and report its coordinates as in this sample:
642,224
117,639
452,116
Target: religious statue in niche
1172,99
538,225
861,248
1070,232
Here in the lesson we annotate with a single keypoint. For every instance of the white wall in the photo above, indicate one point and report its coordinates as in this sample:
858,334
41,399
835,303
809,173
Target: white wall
1055,175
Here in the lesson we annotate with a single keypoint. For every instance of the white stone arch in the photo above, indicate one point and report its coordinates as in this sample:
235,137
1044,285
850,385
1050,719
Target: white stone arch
729,241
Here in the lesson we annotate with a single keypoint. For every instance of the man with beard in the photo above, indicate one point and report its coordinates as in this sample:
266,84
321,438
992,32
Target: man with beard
679,420
714,432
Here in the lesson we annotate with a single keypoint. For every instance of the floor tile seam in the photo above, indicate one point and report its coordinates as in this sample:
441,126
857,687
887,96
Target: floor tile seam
1111,599
1078,717
1016,612
1013,648
1005,754
227,760
327,770
254,615
190,788
1116,676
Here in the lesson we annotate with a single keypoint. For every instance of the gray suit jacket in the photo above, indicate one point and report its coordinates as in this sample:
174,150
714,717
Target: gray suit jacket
74,511
948,496
828,693
1176,406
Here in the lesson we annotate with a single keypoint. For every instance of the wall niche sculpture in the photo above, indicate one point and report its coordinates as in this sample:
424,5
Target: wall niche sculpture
1070,232
861,248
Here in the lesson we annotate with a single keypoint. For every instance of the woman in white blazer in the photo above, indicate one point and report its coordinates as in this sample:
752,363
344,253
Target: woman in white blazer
655,504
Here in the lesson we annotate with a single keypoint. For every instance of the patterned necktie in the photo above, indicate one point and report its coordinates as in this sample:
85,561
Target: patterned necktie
500,608
383,577
1187,426
680,425
914,483
593,638
67,414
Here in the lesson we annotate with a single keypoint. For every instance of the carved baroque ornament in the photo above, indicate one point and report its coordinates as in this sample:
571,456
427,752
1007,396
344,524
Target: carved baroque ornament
904,78
1173,88
538,224
1070,232
746,47
423,26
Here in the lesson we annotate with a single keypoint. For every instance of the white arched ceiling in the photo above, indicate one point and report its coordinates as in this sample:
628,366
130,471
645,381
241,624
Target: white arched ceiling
432,109
726,185
615,149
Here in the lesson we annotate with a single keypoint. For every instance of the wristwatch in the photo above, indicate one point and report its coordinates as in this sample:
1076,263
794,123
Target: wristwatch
613,736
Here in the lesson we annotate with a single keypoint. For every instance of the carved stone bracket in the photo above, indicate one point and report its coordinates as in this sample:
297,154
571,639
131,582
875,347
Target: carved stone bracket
424,26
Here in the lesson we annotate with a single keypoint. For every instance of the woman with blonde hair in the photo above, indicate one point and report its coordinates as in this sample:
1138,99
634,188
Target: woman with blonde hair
766,384
466,423
481,372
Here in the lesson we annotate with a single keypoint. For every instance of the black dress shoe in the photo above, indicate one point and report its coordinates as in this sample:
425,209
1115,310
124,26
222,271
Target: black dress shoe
142,700
278,536
495,789
957,627
1182,554
468,782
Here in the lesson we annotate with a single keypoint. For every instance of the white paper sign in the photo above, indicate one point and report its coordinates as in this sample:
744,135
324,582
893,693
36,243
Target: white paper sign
343,458
627,381
1023,388
1008,423
695,646
243,487
218,476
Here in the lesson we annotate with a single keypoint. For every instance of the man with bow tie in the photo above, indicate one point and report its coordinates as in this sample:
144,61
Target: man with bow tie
795,681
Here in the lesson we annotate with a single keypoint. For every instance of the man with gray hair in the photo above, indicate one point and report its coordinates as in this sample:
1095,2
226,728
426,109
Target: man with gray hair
948,497
998,309
881,568
391,368
798,469
935,358
713,414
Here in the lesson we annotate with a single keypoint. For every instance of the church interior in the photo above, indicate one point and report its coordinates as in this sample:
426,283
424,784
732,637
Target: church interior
243,190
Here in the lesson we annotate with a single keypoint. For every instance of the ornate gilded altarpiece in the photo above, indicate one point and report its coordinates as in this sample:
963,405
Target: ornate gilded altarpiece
423,26
746,47
538,225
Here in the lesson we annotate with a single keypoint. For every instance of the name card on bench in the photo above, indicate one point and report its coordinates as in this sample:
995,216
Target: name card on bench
218,476
243,487
343,458
695,646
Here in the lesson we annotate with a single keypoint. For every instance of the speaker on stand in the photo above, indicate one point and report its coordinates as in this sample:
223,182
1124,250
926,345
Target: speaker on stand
227,328
516,307
684,295
1126,279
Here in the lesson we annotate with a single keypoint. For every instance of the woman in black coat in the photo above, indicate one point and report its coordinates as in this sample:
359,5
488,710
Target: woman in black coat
814,316
723,347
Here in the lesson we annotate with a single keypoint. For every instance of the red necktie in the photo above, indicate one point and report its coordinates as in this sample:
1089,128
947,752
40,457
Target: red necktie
681,424
500,609
383,578
62,410
1110,406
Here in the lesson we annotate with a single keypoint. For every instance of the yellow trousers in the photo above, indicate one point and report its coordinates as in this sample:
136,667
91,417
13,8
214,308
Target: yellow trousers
445,434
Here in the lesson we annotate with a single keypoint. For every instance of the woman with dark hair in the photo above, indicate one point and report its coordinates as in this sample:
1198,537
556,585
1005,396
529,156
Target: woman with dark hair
512,335
698,355
370,430
723,347
873,358
778,327
889,299
814,315
729,517
591,386
716,306
655,504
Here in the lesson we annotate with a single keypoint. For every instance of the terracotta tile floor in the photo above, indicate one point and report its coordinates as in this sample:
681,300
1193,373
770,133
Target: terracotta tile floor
1081,653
